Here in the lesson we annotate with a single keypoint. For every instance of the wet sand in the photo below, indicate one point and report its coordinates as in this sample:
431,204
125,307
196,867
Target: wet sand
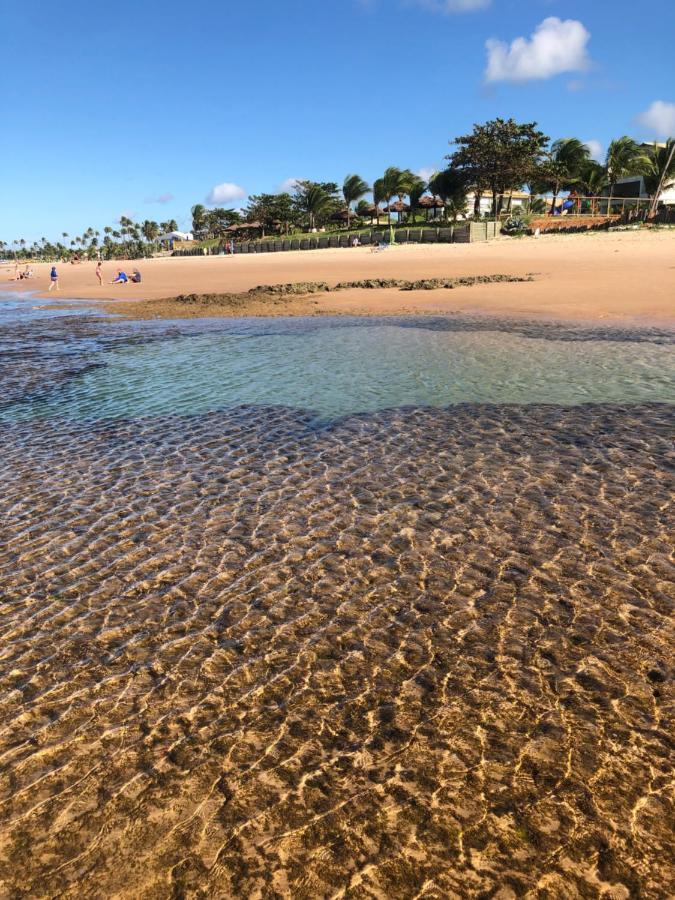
585,276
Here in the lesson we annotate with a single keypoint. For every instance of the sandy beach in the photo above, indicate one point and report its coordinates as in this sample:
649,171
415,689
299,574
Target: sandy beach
582,276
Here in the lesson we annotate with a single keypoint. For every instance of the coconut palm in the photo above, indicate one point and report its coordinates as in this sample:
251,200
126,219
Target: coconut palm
624,158
378,196
592,178
353,188
563,167
150,230
659,171
199,215
416,187
450,186
311,198
392,181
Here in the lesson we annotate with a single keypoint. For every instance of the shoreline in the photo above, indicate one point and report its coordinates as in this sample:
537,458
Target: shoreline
600,276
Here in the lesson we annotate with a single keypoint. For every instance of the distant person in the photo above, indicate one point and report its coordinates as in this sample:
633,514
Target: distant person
135,277
54,279
120,278
356,242
99,273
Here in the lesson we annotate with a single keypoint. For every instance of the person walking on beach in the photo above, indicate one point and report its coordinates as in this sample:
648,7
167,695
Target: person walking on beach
99,273
53,279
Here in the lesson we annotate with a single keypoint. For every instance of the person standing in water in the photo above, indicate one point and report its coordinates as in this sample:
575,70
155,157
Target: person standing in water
99,272
53,279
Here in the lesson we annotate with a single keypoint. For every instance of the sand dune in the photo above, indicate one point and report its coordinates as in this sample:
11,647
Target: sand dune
624,274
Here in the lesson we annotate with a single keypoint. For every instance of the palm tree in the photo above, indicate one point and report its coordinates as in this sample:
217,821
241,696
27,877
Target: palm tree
416,188
659,171
391,182
404,185
378,196
311,198
565,163
592,178
624,158
199,215
450,186
150,230
353,188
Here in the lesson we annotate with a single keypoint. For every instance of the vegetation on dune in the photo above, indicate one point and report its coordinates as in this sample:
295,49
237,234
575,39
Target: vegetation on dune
497,158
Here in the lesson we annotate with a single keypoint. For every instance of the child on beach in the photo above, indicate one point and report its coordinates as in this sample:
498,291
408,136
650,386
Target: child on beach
53,279
99,273
120,278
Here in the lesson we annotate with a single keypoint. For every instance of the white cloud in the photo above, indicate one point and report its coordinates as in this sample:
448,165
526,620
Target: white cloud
163,198
659,118
287,186
451,6
426,172
227,192
555,46
596,149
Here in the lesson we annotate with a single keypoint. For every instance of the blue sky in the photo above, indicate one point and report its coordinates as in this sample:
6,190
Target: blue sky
142,109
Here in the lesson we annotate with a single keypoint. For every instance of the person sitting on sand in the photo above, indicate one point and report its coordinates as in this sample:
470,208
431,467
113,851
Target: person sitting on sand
135,277
120,278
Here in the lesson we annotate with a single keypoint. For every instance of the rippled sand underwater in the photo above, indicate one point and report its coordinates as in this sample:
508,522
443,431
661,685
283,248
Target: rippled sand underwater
413,652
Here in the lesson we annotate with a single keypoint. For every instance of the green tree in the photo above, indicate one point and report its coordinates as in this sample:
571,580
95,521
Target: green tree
218,220
416,187
562,168
150,230
315,200
659,171
199,218
353,188
498,156
378,196
450,185
592,178
624,158
392,181
272,211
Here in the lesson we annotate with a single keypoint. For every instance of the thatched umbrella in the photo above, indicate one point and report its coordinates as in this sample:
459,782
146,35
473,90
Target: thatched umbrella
342,215
426,203
373,211
398,207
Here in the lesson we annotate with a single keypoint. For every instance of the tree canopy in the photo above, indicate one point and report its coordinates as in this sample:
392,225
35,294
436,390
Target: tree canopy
499,156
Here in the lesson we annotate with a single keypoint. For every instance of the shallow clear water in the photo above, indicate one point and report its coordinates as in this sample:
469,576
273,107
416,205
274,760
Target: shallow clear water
337,367
255,645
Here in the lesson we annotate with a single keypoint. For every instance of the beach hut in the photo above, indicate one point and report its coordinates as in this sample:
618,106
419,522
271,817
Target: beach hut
373,211
427,202
341,216
398,207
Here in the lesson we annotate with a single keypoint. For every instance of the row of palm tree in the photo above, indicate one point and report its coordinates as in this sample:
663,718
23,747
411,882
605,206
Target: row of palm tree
567,166
128,239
